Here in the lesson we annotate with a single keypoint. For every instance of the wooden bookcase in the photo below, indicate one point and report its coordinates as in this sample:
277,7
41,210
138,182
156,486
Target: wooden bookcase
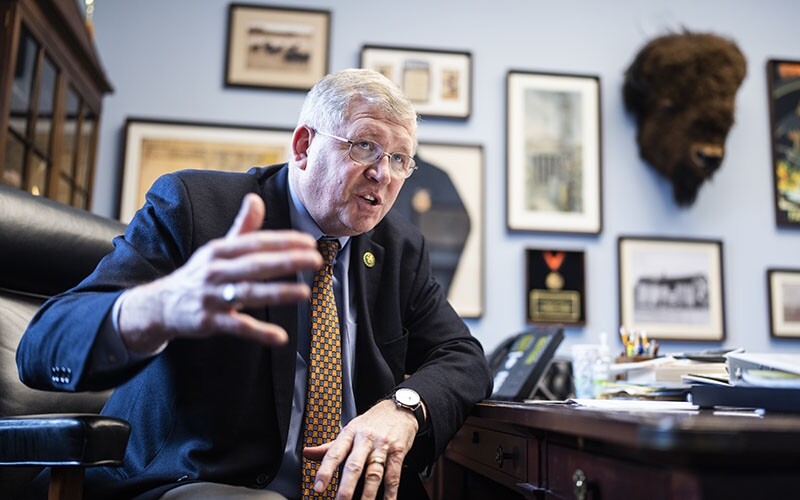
51,91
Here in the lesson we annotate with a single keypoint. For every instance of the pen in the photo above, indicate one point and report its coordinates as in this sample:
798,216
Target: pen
626,344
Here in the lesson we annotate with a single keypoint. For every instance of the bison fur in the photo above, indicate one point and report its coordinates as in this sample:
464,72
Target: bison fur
681,88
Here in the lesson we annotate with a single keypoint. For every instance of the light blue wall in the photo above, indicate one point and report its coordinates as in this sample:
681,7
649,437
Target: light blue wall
166,60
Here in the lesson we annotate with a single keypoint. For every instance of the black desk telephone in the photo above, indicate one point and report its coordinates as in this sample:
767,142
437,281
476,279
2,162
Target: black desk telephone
519,362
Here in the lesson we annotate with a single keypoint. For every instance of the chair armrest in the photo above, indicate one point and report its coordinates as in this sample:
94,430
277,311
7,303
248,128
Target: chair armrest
63,439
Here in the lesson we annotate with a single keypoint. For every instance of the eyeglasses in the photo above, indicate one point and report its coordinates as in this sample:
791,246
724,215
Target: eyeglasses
367,152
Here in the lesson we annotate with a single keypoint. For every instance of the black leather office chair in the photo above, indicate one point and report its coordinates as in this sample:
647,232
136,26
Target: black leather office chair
46,248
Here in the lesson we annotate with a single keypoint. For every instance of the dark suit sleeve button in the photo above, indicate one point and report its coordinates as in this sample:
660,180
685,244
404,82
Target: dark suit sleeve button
262,479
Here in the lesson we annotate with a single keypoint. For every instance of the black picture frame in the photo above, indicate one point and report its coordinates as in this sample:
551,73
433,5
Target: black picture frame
783,294
437,81
783,83
553,153
556,286
672,288
276,47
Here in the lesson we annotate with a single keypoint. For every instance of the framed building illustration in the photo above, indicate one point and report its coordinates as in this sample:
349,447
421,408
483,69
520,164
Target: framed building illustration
553,181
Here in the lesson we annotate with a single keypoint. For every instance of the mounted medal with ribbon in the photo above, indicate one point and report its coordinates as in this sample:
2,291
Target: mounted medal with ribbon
556,286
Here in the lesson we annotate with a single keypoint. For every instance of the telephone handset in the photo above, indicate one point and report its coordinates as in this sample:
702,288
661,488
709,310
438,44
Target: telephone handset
520,361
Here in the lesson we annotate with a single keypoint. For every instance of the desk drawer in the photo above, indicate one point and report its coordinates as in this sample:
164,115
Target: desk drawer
490,451
603,477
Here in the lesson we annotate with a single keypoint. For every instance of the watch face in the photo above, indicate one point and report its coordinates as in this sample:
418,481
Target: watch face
407,397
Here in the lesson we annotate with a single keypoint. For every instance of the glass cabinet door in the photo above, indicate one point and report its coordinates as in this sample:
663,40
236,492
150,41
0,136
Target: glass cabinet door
51,91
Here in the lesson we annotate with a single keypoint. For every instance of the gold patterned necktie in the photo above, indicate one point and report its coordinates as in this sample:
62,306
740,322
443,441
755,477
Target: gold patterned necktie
324,387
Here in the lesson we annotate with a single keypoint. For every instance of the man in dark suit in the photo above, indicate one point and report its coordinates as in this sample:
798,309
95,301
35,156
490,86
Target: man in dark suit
200,320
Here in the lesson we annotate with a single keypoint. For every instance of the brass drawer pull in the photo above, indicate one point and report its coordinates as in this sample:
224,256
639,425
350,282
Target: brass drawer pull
501,456
580,486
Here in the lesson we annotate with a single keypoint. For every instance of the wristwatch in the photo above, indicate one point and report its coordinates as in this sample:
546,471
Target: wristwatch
409,399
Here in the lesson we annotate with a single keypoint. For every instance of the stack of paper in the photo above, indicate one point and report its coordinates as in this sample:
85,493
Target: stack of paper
668,369
672,372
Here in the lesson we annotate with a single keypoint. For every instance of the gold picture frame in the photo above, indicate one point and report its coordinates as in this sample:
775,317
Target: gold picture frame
156,147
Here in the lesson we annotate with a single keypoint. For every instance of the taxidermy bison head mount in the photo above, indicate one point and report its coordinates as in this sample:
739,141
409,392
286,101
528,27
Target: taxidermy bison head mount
681,89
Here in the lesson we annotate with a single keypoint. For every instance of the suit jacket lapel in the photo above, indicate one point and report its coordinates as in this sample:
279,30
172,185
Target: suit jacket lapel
276,199
368,385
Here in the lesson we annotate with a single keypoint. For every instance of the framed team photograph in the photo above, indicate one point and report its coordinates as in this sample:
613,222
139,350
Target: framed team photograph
556,291
671,288
783,81
438,82
156,147
444,199
553,168
276,47
783,287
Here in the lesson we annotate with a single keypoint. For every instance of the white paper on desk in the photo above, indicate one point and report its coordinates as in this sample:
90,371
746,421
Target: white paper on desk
635,405
640,365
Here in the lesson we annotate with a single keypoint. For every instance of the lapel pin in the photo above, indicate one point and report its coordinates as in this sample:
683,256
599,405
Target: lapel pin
369,259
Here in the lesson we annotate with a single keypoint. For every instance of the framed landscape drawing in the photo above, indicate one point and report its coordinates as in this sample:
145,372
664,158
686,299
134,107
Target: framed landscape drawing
783,79
438,82
784,302
672,288
553,179
276,47
156,147
444,199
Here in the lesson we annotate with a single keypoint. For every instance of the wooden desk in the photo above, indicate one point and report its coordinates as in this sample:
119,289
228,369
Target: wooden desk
514,450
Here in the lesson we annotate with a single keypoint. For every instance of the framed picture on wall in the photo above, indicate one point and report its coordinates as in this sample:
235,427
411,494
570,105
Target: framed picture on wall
783,79
672,288
156,147
438,82
444,199
276,47
556,290
553,153
783,287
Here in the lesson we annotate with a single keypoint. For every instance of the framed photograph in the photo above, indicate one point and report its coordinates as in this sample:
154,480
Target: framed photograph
672,288
156,147
556,291
444,198
438,82
553,153
784,302
783,78
276,47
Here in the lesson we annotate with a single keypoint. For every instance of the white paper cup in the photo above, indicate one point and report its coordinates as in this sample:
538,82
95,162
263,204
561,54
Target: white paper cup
584,356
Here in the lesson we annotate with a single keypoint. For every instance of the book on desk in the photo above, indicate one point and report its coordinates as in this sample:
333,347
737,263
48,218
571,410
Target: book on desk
757,380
